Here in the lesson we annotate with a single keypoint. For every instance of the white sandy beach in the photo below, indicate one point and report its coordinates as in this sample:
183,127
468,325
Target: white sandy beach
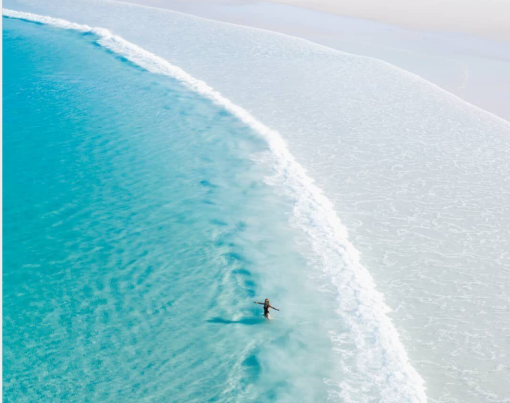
438,42
487,18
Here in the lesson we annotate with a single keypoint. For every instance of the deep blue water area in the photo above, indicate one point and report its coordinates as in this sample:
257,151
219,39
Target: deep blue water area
138,230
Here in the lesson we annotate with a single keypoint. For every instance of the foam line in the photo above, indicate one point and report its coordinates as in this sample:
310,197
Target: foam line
360,305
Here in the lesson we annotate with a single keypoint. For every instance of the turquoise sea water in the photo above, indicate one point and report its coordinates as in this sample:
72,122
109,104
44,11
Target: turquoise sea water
138,230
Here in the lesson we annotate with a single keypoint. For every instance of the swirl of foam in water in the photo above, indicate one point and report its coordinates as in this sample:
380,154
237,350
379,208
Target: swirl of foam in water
382,359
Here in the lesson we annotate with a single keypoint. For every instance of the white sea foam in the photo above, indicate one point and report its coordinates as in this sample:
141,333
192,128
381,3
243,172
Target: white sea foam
381,357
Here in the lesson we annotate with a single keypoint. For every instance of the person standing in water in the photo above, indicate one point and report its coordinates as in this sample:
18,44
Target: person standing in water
267,305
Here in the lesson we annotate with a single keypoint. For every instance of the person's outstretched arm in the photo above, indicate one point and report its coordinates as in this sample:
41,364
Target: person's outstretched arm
260,303
276,309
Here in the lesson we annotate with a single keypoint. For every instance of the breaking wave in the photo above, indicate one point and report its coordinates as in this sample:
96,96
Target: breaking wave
380,355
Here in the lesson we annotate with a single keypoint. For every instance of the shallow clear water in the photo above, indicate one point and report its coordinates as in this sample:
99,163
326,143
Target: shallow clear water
138,230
